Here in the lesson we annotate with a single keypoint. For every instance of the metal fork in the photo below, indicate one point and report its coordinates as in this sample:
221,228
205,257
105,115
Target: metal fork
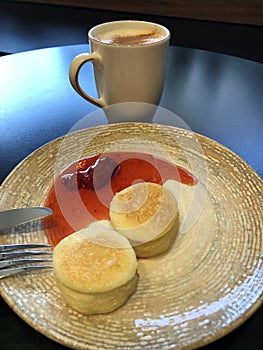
16,258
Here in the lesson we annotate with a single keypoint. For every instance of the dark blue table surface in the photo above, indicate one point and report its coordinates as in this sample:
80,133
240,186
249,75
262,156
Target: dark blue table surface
216,95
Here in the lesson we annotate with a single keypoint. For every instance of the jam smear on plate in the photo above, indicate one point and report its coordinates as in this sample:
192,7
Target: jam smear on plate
82,193
91,177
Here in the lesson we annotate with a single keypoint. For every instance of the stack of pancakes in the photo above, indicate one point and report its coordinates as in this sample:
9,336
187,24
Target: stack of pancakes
96,267
147,214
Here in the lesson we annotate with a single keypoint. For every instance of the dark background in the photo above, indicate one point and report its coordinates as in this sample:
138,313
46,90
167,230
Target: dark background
26,26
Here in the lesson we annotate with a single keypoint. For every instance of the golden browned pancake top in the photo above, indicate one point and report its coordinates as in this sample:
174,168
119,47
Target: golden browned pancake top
143,211
94,260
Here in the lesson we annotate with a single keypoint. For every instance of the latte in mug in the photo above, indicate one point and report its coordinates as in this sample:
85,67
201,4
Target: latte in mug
129,64
131,36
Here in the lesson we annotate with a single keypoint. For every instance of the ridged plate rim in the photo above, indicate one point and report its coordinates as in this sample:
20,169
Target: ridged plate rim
250,176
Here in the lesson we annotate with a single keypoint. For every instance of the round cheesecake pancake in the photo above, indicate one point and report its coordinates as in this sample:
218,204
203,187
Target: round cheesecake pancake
95,269
147,214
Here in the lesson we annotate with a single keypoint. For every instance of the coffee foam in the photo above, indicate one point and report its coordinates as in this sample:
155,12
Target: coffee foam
131,36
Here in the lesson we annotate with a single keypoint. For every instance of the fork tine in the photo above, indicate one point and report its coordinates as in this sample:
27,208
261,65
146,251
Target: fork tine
12,271
8,247
11,255
19,250
18,254
10,263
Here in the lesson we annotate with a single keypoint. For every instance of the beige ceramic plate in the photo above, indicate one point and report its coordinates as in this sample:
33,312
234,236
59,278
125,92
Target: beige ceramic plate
204,287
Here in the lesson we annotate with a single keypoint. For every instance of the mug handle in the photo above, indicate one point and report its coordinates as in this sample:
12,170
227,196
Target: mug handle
74,70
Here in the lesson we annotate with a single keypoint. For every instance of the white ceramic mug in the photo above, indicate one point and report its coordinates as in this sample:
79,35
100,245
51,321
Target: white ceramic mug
129,62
